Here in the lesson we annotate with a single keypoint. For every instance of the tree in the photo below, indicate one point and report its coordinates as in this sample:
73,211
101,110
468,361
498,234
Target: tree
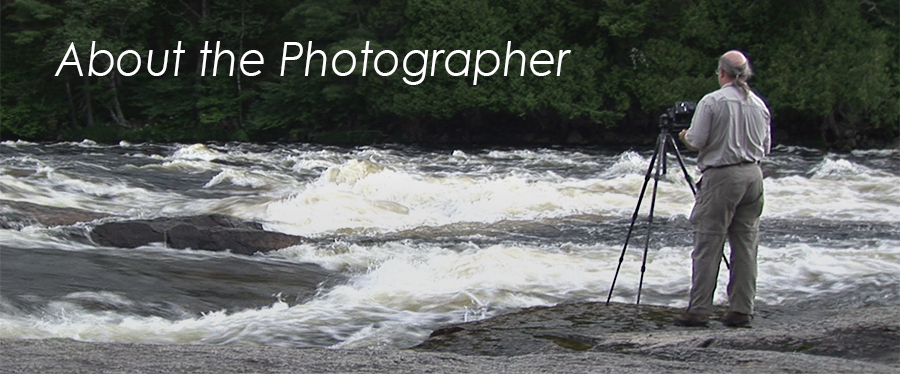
627,62
835,75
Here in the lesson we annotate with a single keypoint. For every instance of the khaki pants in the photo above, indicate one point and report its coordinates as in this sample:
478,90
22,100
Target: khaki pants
728,205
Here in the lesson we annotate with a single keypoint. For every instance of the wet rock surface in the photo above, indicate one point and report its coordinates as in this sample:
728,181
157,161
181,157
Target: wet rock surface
869,334
567,338
172,287
19,214
211,232
206,232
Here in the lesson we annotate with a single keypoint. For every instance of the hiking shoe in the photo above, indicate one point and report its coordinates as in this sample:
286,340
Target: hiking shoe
687,319
735,319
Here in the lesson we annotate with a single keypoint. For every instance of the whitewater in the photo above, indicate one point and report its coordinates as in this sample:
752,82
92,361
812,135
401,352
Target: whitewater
407,238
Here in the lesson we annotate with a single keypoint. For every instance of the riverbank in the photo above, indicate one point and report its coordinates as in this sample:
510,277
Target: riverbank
567,338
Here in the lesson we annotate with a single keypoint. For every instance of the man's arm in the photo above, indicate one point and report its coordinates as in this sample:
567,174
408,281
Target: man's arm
696,136
687,144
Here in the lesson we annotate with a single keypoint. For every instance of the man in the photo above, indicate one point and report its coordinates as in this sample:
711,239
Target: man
730,129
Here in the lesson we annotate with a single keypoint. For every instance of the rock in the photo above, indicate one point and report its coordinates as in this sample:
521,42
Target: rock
207,232
49,356
19,214
565,327
868,334
577,337
171,286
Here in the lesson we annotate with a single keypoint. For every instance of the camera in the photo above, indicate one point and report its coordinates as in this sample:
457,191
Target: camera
678,117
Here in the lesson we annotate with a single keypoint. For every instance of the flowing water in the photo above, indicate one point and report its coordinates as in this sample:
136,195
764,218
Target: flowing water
405,239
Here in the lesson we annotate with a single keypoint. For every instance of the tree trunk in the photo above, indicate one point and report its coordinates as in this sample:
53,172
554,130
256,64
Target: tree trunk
73,112
116,110
839,130
238,75
89,109
198,67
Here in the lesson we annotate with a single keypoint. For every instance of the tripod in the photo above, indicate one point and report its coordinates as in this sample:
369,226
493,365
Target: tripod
664,143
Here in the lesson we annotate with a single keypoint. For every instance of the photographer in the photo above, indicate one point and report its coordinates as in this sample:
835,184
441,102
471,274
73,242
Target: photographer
730,129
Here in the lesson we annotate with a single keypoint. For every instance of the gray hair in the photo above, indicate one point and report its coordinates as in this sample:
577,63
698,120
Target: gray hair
741,73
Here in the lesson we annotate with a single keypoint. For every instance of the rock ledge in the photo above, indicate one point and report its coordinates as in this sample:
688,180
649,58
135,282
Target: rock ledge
207,232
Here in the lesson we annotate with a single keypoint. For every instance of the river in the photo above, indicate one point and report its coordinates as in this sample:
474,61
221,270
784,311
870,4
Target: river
405,239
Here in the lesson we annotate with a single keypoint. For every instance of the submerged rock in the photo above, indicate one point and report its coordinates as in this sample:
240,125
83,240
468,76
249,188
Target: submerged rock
19,214
169,285
207,232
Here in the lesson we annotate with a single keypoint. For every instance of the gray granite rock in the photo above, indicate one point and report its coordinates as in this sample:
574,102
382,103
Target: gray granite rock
870,334
570,338
211,232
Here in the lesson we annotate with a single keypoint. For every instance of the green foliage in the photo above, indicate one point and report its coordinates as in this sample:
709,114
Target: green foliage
296,106
629,60
24,121
166,99
824,67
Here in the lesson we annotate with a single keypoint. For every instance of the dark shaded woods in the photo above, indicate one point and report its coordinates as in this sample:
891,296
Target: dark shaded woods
829,69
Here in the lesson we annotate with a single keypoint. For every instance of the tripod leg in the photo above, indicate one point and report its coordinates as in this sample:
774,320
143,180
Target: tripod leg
690,183
665,158
633,219
661,149
687,176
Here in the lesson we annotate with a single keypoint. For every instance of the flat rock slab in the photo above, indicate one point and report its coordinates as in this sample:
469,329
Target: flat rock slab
207,232
53,356
578,337
870,334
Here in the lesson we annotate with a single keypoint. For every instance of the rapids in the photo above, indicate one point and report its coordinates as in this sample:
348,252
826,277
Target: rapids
406,239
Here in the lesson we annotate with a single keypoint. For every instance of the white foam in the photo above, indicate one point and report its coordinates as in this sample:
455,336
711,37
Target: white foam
196,152
876,152
835,189
628,163
16,143
842,170
239,178
367,196
398,291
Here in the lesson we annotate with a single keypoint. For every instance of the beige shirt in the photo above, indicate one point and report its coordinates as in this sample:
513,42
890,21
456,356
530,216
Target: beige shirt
729,129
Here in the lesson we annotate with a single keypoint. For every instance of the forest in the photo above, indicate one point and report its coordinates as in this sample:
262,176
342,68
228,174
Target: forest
829,69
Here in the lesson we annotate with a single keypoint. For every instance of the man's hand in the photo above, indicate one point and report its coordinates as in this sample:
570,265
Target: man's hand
682,136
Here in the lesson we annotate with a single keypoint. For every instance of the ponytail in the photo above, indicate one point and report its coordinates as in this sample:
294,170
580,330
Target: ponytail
741,73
